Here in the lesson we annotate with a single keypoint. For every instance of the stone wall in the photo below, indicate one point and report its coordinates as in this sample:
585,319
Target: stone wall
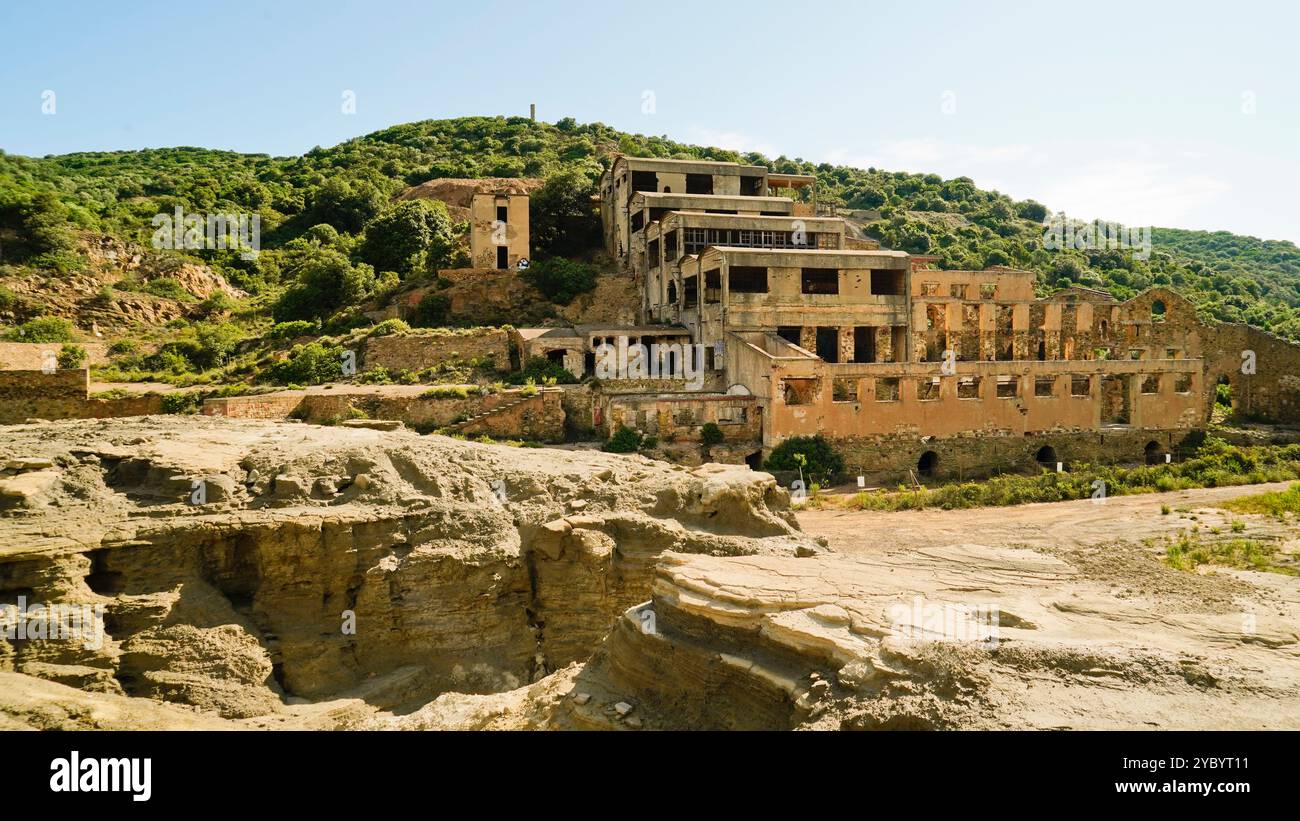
1272,392
540,417
579,410
1263,370
677,422
260,406
142,405
889,458
35,385
419,350
34,394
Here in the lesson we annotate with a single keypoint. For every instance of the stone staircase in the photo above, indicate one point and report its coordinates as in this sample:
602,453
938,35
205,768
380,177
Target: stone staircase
461,426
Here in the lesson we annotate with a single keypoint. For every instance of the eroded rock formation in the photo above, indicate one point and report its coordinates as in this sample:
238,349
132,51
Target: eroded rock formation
950,637
272,575
246,565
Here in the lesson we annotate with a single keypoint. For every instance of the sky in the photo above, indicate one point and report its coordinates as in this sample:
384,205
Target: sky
1166,114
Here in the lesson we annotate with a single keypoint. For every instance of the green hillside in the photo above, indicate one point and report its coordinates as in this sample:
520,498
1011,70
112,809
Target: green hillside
328,218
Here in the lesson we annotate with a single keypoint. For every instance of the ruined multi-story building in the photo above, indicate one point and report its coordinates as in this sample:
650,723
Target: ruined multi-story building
809,328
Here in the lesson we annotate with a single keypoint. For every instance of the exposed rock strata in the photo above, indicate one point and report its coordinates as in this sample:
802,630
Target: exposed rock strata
230,556
865,643
497,588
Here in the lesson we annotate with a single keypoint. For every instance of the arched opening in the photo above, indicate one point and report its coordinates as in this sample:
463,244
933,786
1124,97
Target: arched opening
1155,454
668,190
755,460
1046,456
927,464
1105,327
1158,311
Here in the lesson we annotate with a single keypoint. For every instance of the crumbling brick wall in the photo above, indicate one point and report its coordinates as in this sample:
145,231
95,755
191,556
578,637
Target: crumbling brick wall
1262,370
1271,392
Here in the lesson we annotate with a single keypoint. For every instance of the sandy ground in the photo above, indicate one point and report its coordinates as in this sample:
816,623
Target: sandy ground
1082,523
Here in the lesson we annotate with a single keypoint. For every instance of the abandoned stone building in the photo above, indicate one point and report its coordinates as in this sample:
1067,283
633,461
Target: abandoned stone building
496,209
638,190
803,326
498,234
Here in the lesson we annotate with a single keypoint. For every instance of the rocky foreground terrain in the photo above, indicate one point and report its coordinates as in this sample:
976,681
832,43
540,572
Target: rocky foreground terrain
271,575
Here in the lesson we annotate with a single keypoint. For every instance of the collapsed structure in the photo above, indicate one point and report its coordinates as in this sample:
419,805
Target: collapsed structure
804,327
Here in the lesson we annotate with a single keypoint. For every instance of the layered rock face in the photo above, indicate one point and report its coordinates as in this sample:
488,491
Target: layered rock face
278,575
245,565
960,636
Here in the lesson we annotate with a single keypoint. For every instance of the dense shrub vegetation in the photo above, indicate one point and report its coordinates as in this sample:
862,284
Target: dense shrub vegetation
561,279
42,329
541,370
813,455
624,440
72,356
310,364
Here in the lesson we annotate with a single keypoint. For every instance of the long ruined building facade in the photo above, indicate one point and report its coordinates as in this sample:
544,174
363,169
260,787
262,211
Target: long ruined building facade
806,328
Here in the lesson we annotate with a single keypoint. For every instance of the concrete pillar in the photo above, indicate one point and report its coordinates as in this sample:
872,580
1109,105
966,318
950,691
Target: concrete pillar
846,343
884,344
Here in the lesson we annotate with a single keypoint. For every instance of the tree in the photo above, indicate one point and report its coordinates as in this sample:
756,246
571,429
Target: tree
327,281
310,364
215,343
866,197
996,256
322,234
347,205
813,454
41,223
561,280
562,220
408,236
1031,210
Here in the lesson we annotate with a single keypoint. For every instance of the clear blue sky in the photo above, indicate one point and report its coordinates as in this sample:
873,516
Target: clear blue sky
1128,111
